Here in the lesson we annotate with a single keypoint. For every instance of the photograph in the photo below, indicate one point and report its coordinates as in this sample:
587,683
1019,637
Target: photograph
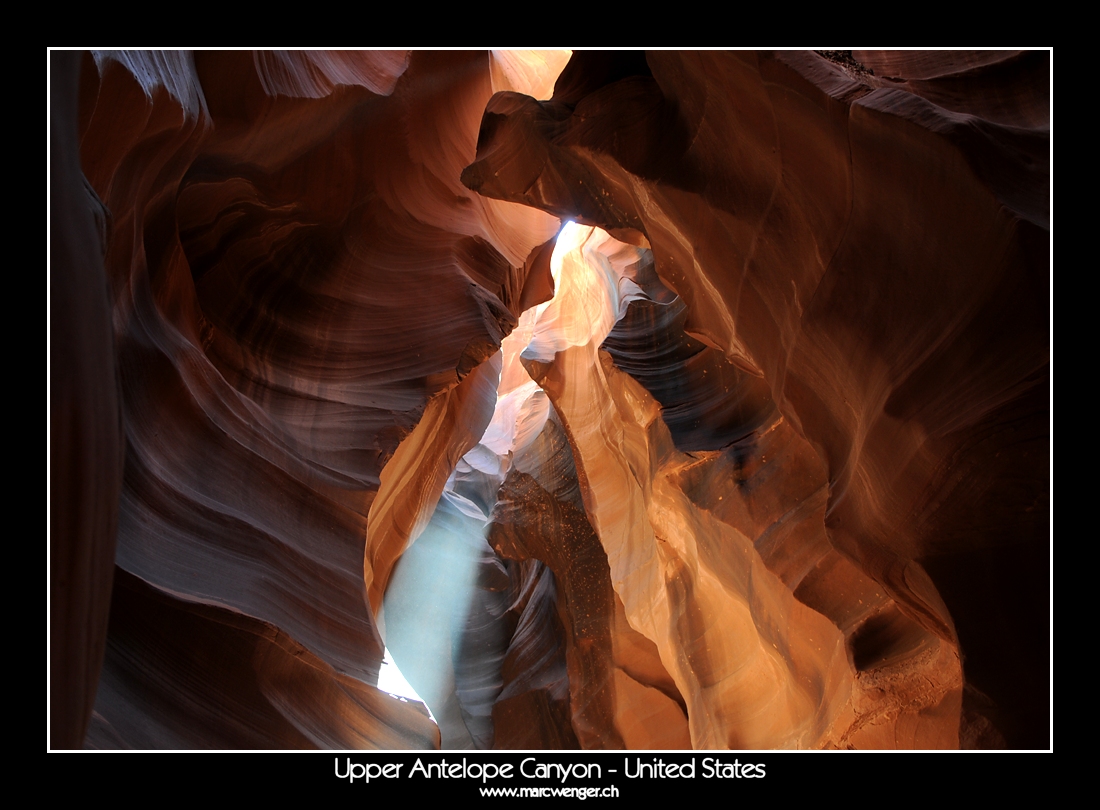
546,420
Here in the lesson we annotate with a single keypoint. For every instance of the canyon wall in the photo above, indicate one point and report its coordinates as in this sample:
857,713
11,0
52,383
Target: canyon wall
756,455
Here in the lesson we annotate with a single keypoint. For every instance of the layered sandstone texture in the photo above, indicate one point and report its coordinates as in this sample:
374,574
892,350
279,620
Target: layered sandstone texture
629,400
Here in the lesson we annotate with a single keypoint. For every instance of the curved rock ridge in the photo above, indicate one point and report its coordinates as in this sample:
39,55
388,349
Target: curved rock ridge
755,668
630,400
183,675
314,74
706,401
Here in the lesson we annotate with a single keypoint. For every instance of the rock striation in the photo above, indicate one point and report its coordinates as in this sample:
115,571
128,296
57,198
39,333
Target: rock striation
630,400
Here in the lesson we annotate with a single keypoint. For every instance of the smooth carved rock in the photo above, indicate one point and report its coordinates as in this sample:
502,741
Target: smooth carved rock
86,447
184,675
328,287
882,263
755,667
262,263
540,515
533,708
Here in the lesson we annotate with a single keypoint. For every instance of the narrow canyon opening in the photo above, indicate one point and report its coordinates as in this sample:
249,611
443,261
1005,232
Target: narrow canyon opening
446,608
577,485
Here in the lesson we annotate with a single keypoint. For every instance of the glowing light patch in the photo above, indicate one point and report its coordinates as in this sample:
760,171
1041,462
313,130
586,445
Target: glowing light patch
592,289
392,681
531,72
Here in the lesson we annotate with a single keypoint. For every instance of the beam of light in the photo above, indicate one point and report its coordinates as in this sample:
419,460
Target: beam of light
434,584
427,602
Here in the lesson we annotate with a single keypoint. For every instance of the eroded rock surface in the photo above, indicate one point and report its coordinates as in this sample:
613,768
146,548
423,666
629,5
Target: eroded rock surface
771,469
906,338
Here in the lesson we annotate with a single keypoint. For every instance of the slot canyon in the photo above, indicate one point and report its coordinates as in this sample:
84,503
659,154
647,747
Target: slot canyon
619,399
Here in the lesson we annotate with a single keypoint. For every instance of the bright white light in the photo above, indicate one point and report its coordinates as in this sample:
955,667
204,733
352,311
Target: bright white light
391,680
